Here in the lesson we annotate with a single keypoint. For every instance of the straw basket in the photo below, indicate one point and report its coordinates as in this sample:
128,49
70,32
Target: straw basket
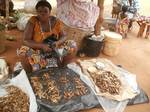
76,34
112,43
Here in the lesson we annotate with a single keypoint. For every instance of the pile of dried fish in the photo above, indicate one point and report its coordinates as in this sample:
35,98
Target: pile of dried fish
52,89
50,93
58,88
15,101
37,87
107,82
80,88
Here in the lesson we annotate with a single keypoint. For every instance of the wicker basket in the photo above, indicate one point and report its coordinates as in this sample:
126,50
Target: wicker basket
112,43
76,34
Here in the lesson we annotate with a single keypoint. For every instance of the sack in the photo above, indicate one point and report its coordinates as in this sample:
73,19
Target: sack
23,20
3,70
97,65
21,81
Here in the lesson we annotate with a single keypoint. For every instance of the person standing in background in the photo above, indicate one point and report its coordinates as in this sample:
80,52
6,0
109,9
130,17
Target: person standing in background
81,14
133,9
81,18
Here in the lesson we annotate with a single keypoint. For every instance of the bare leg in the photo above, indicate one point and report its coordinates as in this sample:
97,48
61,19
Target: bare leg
130,25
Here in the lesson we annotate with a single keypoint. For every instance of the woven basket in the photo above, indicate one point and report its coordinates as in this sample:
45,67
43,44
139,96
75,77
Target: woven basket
75,34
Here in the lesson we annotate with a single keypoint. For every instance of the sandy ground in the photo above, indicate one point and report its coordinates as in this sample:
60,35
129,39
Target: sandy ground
133,56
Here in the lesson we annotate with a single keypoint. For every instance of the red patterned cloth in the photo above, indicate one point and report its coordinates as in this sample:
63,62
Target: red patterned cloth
122,26
39,59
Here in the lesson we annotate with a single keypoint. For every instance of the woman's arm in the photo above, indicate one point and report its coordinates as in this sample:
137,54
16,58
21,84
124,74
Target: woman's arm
59,28
28,41
62,38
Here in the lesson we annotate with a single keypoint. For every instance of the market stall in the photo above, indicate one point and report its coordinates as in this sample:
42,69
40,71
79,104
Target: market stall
85,85
79,86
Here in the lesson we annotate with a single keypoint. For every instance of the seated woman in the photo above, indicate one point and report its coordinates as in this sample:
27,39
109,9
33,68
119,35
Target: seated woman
39,30
122,22
132,11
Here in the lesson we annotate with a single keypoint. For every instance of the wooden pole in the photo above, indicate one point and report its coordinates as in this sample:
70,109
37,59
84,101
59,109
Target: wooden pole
100,18
7,8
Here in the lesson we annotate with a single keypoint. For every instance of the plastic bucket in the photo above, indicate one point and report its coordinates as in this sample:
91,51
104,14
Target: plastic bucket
92,48
112,43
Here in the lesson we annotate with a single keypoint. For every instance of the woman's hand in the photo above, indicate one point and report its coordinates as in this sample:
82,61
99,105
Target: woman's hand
46,48
57,44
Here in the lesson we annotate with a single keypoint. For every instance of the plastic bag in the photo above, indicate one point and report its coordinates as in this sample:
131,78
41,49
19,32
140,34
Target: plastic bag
21,23
21,81
3,70
3,92
108,105
126,91
75,103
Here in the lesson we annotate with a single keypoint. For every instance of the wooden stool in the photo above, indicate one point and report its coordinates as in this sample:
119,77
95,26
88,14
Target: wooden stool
143,26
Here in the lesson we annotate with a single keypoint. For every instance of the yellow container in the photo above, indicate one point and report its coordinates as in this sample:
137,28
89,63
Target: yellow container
112,43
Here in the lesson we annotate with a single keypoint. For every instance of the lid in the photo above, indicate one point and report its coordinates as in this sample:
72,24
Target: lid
112,35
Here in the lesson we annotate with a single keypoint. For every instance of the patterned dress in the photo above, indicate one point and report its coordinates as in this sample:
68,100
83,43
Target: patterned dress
81,14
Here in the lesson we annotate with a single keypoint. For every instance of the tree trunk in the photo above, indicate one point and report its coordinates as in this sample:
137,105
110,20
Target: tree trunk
7,8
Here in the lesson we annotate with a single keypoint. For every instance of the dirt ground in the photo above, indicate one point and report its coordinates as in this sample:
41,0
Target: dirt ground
134,56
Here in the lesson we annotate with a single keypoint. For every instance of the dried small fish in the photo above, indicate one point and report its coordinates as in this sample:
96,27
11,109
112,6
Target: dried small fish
15,101
107,82
58,89
37,87
63,80
80,88
68,94
46,76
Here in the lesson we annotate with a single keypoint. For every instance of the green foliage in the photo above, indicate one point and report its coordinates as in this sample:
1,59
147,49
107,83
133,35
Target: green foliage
2,27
